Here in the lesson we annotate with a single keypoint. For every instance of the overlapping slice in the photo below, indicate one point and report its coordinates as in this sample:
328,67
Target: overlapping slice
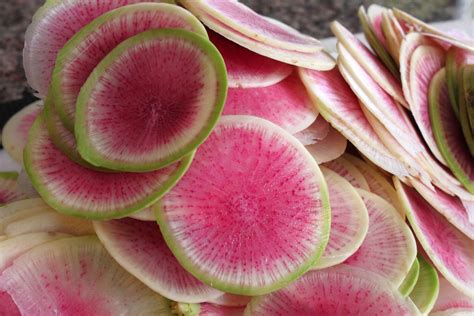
252,212
447,132
8,188
285,104
349,221
52,26
449,249
146,215
76,276
410,279
466,106
315,132
339,106
449,298
455,59
329,148
77,190
15,132
393,32
228,299
425,292
389,249
205,309
340,290
177,111
348,171
140,249
85,50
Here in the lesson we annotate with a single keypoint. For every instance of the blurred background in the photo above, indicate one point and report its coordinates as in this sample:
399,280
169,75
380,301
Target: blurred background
309,16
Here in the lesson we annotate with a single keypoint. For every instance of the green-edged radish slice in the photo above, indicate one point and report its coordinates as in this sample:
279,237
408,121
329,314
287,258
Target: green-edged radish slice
448,248
348,171
393,32
240,236
349,221
76,190
340,290
369,62
146,215
177,112
466,104
455,59
389,249
410,279
339,106
15,131
206,309
228,299
8,188
76,276
329,148
447,132
426,289
78,58
449,297
140,249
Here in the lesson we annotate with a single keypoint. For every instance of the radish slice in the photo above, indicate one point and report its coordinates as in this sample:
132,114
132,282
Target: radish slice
393,33
348,171
455,59
375,13
251,24
466,106
331,147
228,299
426,290
285,103
315,132
410,280
146,215
9,191
448,248
206,309
246,69
339,106
449,297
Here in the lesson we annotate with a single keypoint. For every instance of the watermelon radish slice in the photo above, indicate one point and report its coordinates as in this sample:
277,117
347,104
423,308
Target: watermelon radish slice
315,132
285,103
52,26
349,221
449,297
239,236
449,206
374,13
321,292
178,111
140,249
228,299
7,305
76,190
317,60
454,312
246,69
339,106
206,309
329,148
455,59
466,106
76,276
78,58
13,208
8,188
447,132
449,249
348,171
146,215
425,62
389,248
426,288
375,69
251,24
410,279
393,33
15,131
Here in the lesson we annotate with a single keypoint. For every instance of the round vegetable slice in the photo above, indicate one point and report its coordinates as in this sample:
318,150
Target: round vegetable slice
140,249
146,215
78,58
15,131
449,297
447,132
349,221
315,132
329,148
340,290
13,208
426,290
206,309
285,103
466,106
348,171
164,119
247,236
449,249
228,299
389,249
8,188
76,276
246,69
76,190
455,59
410,280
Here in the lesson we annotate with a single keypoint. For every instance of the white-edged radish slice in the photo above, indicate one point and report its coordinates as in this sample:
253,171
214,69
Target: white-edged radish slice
449,297
425,292
348,171
374,14
329,148
146,215
315,132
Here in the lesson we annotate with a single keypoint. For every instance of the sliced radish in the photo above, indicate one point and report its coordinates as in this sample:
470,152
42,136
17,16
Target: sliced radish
146,215
76,276
13,208
7,305
455,59
374,13
449,297
349,221
15,132
448,248
8,188
178,111
315,132
426,289
77,190
410,279
331,147
447,132
341,290
228,299
246,21
246,69
339,106
78,58
466,106
389,249
207,309
393,33
285,103
140,249
263,229
348,171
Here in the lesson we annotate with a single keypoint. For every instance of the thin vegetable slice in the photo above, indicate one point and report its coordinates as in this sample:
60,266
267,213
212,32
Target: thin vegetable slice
455,59
449,297
8,188
329,148
410,279
207,309
315,132
426,290
348,171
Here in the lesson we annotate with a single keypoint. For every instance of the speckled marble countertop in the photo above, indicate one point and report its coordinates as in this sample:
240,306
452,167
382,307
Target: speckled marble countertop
309,16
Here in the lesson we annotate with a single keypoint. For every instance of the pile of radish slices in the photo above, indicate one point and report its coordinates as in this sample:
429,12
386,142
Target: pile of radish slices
191,158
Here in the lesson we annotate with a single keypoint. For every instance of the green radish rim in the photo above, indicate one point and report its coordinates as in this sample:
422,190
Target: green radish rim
9,175
451,80
90,154
411,278
466,107
64,54
426,289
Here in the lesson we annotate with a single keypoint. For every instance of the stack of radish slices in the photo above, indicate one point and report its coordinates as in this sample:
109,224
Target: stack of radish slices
214,132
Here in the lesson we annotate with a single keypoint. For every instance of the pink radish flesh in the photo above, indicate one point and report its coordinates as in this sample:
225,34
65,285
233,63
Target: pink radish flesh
7,305
449,297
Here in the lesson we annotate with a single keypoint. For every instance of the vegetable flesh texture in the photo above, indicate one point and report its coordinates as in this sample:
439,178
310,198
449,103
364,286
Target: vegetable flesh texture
8,188
348,171
426,290
329,148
